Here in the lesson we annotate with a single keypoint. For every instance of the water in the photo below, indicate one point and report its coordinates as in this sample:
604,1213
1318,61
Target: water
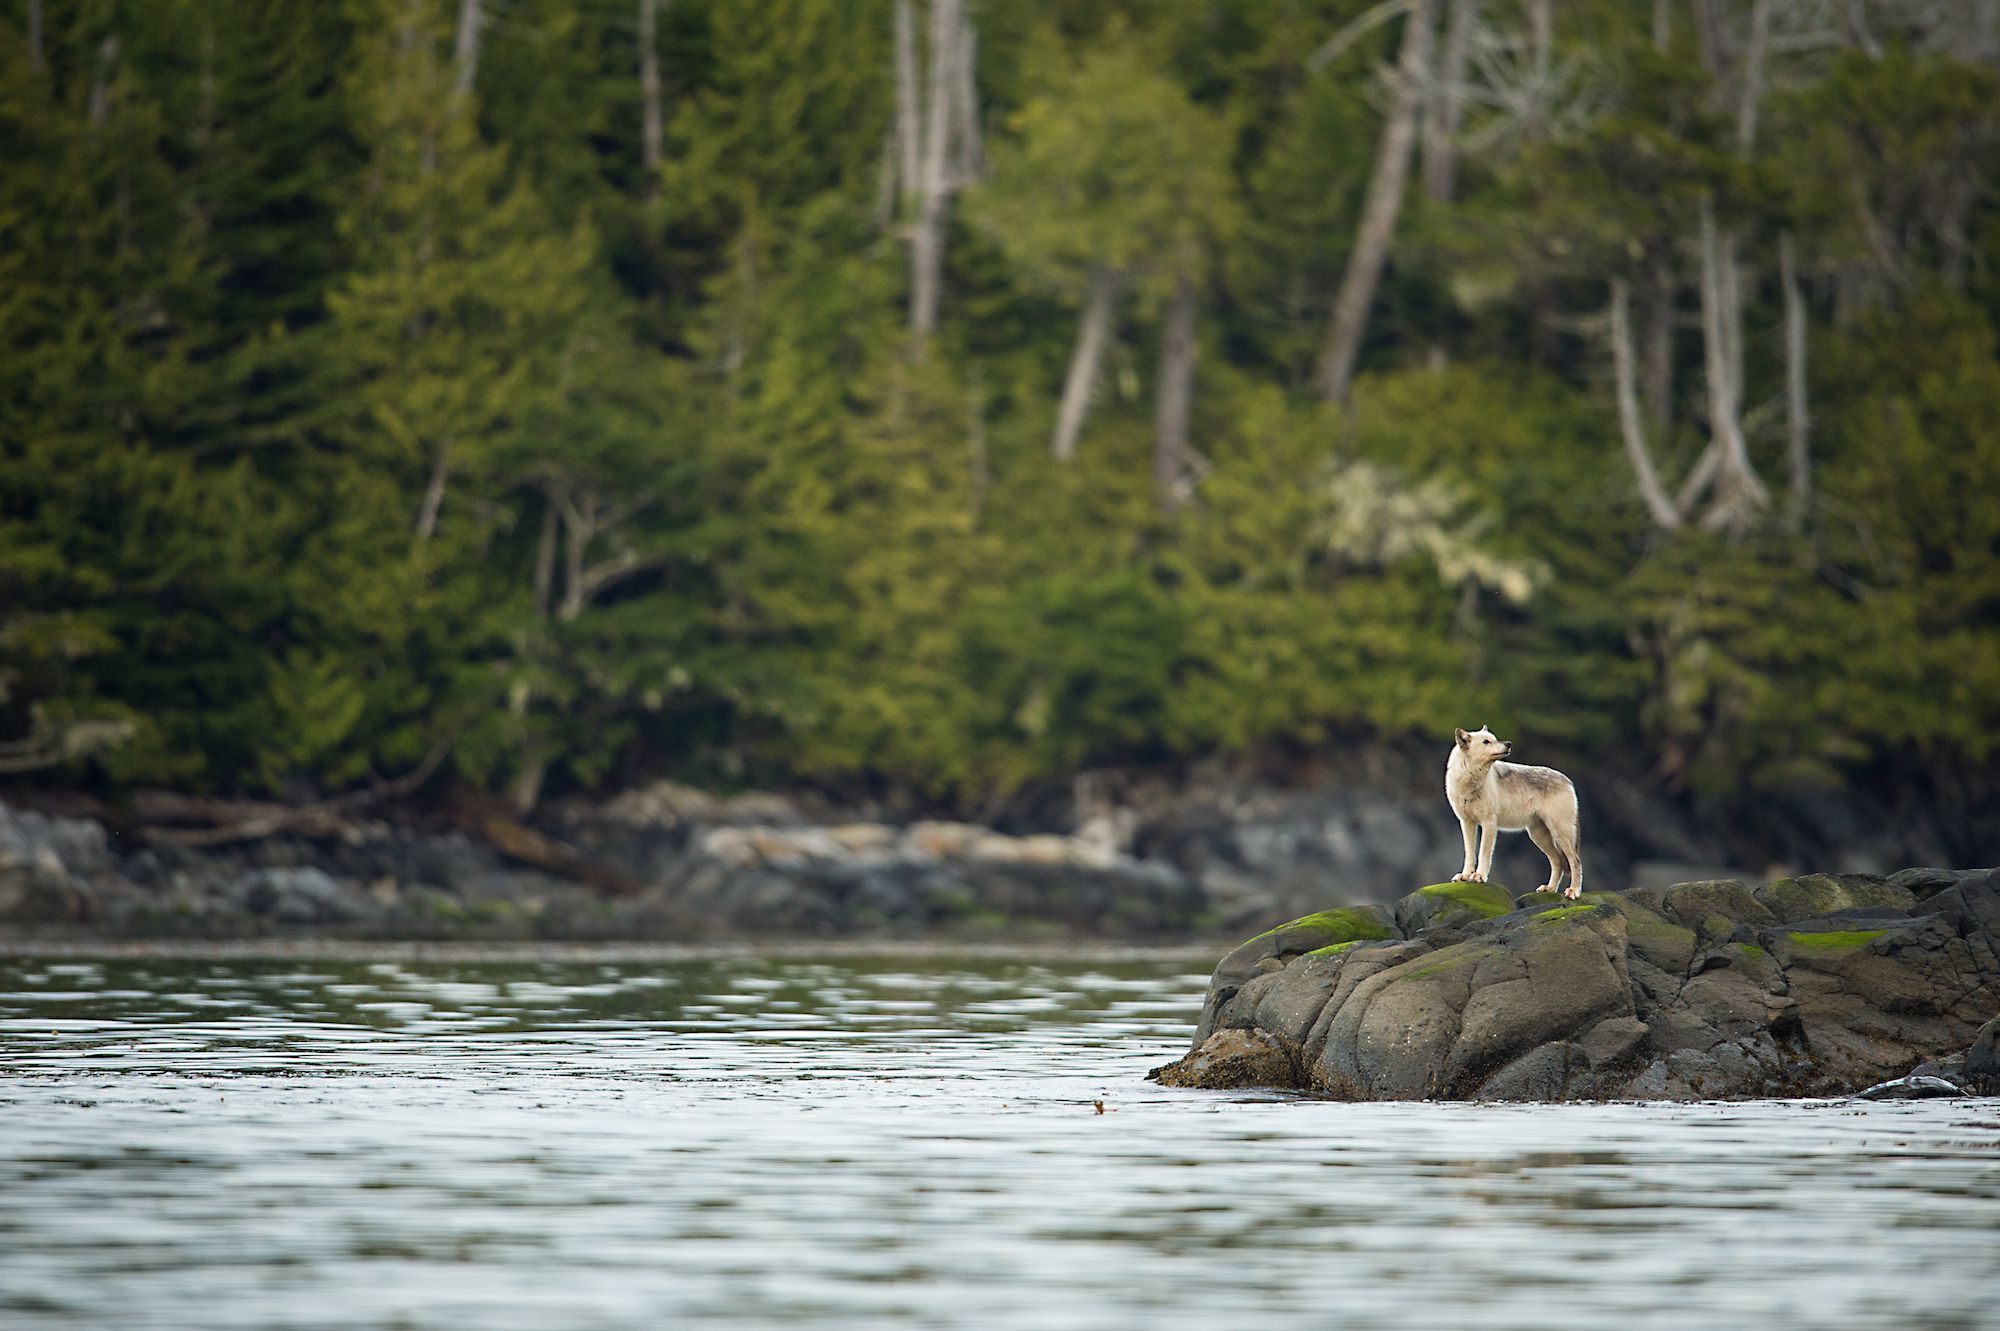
896,1141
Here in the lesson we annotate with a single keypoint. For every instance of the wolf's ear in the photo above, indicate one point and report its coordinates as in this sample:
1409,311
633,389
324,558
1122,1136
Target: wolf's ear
1462,735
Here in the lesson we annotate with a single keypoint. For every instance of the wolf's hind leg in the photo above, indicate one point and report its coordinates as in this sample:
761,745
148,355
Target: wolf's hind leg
1545,841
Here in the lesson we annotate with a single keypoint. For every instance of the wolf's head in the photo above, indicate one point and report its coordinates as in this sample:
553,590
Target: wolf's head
1482,746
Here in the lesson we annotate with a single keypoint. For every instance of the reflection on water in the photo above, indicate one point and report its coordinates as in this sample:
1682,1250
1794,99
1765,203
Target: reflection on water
868,1143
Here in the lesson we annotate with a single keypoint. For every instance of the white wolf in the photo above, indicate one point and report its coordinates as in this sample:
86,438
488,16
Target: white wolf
1494,797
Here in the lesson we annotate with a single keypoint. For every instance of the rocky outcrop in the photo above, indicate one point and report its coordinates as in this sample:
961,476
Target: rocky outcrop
1820,984
697,869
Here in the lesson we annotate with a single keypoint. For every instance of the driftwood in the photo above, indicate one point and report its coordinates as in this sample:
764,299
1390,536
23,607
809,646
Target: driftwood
517,841
223,822
166,818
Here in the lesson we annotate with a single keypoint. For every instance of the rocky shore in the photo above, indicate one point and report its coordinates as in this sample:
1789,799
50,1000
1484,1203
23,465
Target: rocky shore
1210,853
1814,985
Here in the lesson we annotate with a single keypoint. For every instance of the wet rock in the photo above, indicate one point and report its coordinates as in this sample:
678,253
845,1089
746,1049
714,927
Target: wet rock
1982,1060
1228,1060
294,896
1451,906
1912,1087
1704,989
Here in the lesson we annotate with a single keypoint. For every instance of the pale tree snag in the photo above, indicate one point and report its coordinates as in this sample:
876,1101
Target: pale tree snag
36,60
585,518
1660,508
1663,25
1092,335
1738,492
427,512
652,130
934,175
909,135
1446,109
465,47
1175,397
1378,212
1750,89
1798,454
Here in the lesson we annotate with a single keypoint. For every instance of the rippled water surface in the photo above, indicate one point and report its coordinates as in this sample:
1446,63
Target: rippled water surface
901,1141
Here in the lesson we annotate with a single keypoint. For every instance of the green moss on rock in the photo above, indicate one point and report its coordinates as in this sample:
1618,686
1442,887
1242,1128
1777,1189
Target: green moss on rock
1488,899
1336,949
1347,925
1835,938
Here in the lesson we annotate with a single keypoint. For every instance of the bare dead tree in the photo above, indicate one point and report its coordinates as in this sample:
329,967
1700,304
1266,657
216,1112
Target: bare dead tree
1665,513
943,166
1798,453
98,105
652,131
427,512
1663,25
1738,492
1093,334
1175,396
909,134
1445,111
586,517
1379,211
465,47
36,60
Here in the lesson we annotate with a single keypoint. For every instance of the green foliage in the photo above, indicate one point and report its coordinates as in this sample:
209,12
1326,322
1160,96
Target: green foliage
344,415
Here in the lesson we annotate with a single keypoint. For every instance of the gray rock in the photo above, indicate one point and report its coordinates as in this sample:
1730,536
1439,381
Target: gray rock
1703,990
1912,1087
1982,1060
294,896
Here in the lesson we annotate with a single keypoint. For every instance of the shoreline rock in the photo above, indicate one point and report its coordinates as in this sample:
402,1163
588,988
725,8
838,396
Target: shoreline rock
1814,985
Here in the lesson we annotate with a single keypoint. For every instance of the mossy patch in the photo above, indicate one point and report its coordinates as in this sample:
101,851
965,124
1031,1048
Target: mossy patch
1487,899
1836,938
1348,924
1336,949
1570,912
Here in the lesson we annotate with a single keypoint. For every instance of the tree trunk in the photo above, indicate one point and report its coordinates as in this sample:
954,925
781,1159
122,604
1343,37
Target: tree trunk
36,60
1175,397
1446,111
651,126
1378,213
1750,77
1660,508
1663,25
1857,30
427,514
545,554
1091,336
933,181
1657,381
1798,497
465,49
1738,492
909,135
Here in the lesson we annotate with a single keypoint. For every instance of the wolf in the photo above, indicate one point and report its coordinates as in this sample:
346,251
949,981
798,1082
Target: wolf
1494,797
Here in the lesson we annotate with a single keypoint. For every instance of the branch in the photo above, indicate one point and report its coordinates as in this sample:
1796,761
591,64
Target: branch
1662,509
1338,45
253,820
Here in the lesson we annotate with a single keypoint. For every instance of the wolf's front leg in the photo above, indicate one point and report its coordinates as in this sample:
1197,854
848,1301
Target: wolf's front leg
1488,835
1465,830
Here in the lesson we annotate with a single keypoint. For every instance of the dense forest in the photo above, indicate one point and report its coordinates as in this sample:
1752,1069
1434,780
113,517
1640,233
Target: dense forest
941,396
